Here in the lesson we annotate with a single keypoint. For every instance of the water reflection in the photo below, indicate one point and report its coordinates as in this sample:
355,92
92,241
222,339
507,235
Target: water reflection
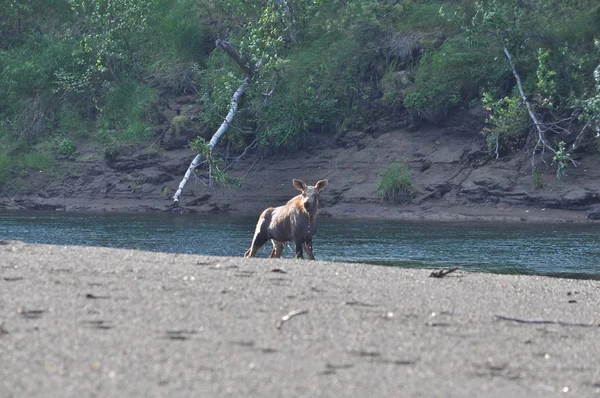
559,250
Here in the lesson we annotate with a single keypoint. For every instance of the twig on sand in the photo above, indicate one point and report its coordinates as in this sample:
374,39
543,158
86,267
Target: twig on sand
443,272
289,316
547,321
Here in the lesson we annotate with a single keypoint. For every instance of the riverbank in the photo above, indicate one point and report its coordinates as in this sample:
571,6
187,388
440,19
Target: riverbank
365,210
82,321
452,179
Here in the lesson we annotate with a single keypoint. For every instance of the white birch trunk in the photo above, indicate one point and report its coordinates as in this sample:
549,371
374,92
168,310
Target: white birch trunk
216,137
536,121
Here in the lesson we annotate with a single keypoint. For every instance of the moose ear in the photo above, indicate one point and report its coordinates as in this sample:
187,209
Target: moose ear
299,185
320,185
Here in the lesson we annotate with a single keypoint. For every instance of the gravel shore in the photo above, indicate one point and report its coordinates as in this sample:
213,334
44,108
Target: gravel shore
85,322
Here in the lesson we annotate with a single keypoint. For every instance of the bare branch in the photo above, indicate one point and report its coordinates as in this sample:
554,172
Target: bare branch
289,316
540,127
443,272
547,321
232,52
237,159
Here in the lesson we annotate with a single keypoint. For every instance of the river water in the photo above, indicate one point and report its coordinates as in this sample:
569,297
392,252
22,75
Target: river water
567,250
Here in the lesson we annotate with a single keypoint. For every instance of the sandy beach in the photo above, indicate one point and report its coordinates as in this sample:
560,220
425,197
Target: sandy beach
87,322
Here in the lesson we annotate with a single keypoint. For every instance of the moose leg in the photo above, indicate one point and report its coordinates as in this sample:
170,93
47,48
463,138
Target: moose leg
260,238
299,253
308,250
253,249
277,249
261,233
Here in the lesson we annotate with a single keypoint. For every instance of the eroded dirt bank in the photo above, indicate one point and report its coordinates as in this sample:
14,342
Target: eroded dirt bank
77,321
454,178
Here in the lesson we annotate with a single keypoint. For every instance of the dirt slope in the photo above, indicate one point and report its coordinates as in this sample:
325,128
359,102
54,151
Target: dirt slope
454,177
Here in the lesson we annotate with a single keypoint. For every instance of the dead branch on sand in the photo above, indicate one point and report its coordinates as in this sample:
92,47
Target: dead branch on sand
547,321
443,272
289,316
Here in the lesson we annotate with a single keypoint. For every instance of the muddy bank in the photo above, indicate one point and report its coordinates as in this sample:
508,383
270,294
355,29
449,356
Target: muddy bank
454,178
78,321
521,214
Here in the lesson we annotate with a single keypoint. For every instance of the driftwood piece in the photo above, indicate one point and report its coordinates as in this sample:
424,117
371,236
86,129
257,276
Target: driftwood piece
289,316
547,321
443,272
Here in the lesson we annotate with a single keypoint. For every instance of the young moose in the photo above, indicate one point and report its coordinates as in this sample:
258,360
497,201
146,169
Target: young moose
295,221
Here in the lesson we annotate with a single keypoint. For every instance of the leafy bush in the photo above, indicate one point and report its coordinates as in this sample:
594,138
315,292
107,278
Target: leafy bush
562,159
537,179
180,123
507,121
67,147
395,184
127,102
70,122
126,115
183,37
28,93
450,75
322,85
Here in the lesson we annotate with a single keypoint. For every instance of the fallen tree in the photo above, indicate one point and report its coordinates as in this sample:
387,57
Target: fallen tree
249,70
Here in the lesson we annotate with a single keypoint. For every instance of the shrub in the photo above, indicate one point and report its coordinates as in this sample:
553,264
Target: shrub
506,123
127,102
180,123
182,34
42,161
537,179
321,86
451,74
125,116
66,147
28,93
70,121
395,184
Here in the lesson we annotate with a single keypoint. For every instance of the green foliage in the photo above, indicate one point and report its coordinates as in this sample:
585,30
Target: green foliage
4,169
506,122
546,85
27,96
318,84
393,85
219,81
537,179
70,122
317,87
183,37
180,123
38,160
473,60
110,29
395,184
66,147
128,102
72,63
215,164
450,75
125,116
561,159
591,104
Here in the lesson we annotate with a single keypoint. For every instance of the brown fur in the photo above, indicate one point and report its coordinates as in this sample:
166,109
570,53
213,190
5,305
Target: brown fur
296,221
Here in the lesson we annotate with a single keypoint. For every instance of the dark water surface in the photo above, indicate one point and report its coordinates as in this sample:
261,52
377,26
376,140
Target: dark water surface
544,249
